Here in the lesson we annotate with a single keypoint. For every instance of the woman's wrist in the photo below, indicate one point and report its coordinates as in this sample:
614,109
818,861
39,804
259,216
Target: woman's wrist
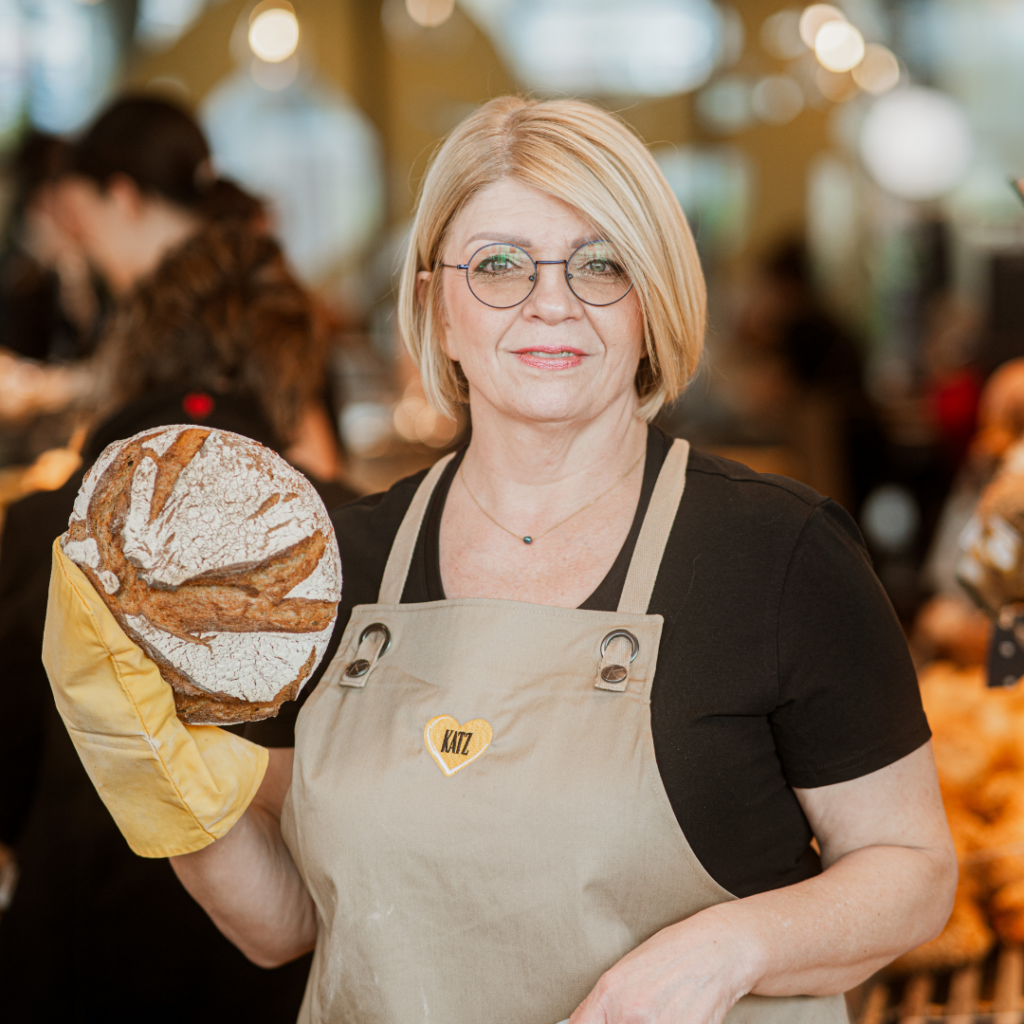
746,952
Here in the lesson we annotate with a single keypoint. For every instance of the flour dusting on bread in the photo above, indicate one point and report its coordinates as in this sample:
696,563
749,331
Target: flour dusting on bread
218,559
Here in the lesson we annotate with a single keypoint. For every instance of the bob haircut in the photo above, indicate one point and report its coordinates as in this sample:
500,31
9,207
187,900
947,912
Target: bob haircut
589,159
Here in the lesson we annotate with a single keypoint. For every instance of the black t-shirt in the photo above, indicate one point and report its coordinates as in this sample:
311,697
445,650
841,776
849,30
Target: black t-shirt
781,663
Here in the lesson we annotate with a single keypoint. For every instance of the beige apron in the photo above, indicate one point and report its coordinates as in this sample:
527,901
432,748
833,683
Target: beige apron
477,810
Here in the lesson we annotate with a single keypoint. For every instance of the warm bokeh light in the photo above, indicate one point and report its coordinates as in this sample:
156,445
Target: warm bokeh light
780,34
879,71
274,33
815,18
837,86
430,13
777,99
916,143
839,46
414,420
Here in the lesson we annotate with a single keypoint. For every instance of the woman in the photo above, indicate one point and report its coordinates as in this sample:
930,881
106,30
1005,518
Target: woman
576,709
210,328
168,235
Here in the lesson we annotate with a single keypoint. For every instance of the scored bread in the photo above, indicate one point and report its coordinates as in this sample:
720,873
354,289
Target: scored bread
218,559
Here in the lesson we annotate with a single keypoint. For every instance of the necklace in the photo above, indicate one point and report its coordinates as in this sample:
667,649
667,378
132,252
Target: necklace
540,536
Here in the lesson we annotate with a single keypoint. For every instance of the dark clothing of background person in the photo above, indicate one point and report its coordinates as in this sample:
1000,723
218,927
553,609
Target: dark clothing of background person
33,323
95,932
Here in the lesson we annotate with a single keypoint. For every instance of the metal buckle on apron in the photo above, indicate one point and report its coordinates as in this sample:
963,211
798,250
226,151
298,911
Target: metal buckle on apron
612,674
368,654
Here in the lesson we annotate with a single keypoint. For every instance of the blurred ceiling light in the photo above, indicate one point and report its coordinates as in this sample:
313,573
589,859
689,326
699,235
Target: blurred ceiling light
879,71
780,34
777,99
311,153
734,36
839,46
916,143
273,32
836,86
605,47
815,18
274,77
724,106
430,13
71,51
13,64
161,23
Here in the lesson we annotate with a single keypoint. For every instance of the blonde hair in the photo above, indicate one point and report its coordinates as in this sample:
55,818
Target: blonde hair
589,159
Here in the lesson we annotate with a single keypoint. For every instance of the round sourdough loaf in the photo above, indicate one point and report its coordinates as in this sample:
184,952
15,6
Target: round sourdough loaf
218,559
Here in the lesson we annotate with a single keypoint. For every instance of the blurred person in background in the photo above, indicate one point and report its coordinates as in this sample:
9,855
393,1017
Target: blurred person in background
209,328
50,309
169,237
808,376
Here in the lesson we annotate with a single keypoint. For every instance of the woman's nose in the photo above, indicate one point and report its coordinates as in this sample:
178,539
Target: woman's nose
552,299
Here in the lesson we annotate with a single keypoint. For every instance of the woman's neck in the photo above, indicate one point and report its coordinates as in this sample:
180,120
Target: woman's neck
162,228
540,469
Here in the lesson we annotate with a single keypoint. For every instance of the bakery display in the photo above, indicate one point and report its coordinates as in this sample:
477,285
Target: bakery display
218,559
990,566
978,737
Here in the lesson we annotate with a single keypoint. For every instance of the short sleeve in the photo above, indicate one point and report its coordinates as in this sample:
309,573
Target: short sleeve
848,699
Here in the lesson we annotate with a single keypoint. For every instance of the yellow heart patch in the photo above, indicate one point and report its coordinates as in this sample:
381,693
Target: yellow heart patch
453,746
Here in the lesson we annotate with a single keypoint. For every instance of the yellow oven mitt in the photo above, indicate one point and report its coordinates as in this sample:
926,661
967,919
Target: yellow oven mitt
172,788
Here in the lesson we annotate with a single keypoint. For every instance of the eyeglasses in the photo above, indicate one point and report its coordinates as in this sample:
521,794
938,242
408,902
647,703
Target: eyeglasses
503,276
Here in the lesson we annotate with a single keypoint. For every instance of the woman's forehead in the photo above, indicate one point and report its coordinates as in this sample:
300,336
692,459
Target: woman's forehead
513,212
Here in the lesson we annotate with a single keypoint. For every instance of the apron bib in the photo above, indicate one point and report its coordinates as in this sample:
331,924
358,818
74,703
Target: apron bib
477,810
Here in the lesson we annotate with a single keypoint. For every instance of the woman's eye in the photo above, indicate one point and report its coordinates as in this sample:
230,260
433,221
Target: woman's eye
495,265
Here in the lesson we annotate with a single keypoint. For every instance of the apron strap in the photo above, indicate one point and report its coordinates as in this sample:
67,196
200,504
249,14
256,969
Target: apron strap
395,572
650,545
643,569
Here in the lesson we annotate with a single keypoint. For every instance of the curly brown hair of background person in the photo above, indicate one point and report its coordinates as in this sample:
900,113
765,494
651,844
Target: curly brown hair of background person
222,313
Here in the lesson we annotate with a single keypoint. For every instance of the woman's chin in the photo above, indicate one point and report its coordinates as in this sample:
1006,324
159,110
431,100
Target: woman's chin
555,406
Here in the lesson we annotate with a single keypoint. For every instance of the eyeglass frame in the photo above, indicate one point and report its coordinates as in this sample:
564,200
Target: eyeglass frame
535,277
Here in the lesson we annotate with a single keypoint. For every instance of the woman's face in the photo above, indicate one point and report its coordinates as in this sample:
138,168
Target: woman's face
105,224
552,358
123,233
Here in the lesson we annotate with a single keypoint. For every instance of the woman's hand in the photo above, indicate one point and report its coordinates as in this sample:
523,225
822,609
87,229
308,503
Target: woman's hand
693,971
890,874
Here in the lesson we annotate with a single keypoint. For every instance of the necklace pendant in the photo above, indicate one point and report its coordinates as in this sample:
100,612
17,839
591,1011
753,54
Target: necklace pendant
527,540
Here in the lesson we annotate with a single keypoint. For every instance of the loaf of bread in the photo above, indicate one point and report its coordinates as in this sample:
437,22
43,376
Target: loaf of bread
218,559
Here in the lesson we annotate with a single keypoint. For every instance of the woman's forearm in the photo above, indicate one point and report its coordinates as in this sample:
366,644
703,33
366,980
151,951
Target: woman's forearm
248,883
829,933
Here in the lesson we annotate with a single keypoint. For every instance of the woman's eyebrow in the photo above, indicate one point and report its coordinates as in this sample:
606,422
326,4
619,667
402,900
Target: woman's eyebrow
523,243
490,236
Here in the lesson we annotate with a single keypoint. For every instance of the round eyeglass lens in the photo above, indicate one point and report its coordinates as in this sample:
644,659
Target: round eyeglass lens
501,275
597,275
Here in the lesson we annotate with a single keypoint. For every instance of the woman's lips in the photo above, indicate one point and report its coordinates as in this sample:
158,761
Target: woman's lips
545,358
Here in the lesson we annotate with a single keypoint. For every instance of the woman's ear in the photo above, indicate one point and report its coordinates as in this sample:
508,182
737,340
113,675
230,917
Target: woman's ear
423,278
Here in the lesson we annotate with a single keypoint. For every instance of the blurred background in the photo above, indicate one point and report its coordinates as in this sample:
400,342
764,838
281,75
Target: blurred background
851,174
846,171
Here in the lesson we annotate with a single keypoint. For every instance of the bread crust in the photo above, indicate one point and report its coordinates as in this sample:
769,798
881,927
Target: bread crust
239,597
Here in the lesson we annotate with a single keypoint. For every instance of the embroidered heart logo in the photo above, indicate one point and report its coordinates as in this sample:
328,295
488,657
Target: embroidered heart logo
453,746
